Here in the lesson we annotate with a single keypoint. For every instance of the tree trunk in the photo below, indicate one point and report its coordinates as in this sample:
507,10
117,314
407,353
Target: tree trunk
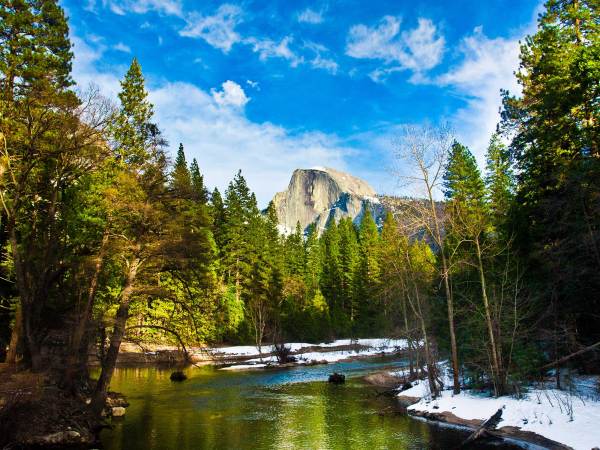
77,359
11,355
449,299
109,363
496,372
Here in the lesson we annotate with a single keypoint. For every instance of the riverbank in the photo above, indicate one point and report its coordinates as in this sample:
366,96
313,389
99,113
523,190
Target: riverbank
547,418
249,357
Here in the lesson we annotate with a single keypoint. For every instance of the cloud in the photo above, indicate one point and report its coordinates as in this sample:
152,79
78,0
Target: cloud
253,84
231,94
215,130
419,49
217,30
122,7
487,66
268,48
319,61
310,16
120,47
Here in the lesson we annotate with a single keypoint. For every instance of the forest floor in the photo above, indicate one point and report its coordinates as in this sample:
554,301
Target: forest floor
35,412
543,416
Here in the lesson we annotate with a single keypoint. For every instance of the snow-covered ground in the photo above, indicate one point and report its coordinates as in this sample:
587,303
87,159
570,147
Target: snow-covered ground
572,419
325,352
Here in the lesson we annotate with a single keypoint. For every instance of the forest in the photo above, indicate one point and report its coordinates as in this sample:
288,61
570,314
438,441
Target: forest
106,238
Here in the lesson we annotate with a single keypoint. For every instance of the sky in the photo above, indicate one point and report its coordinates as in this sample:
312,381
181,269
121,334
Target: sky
268,87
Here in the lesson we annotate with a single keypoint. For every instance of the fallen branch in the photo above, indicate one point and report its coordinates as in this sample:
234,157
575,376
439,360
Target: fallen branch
484,428
572,355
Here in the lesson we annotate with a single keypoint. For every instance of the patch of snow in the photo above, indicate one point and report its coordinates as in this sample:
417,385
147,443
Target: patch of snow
243,367
555,414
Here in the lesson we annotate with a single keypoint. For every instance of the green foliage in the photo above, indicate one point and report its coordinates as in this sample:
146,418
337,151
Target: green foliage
556,129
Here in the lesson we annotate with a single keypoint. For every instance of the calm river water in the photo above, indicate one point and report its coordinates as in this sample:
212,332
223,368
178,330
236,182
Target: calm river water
274,409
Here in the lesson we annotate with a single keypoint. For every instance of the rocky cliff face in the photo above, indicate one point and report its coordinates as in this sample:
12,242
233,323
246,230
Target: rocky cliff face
315,195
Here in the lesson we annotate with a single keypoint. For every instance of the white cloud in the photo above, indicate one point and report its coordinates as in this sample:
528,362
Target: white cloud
122,48
231,94
419,49
310,16
122,7
217,30
268,48
218,135
253,84
487,66
327,64
319,61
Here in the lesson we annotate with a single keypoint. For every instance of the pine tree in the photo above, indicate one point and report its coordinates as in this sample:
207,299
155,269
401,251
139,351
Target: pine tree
181,181
295,253
469,236
556,129
218,213
134,130
330,276
199,190
349,264
369,276
314,262
40,132
499,182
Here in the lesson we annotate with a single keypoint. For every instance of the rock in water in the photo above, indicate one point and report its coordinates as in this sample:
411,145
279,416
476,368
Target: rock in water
118,411
337,378
178,376
315,195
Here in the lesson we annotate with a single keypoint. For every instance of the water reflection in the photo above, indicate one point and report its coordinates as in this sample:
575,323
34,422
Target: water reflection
287,409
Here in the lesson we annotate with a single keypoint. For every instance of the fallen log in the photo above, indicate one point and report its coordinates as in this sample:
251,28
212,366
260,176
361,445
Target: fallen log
484,429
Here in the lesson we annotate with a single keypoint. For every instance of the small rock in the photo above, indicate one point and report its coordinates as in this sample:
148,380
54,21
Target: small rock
337,378
115,399
118,411
178,376
62,437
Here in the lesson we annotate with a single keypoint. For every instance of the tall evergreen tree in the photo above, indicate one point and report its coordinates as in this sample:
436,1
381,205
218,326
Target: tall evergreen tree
500,183
46,152
181,180
199,190
556,128
369,276
349,265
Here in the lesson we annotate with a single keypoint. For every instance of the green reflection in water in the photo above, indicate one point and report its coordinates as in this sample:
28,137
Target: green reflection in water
261,410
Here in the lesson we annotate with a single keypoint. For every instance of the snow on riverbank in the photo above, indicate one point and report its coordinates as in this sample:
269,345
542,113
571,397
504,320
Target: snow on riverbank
325,352
573,420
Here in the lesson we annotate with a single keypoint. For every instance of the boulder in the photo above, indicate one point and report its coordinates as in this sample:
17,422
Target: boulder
178,376
337,378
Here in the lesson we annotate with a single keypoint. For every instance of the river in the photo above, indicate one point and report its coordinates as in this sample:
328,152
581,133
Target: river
292,408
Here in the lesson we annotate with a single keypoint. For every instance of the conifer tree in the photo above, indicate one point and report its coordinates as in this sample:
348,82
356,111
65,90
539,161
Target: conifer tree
218,213
180,177
295,253
349,264
199,190
555,125
499,182
45,153
133,129
369,276
330,276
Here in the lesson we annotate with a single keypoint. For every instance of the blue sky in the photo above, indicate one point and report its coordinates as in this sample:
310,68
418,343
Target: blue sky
273,86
